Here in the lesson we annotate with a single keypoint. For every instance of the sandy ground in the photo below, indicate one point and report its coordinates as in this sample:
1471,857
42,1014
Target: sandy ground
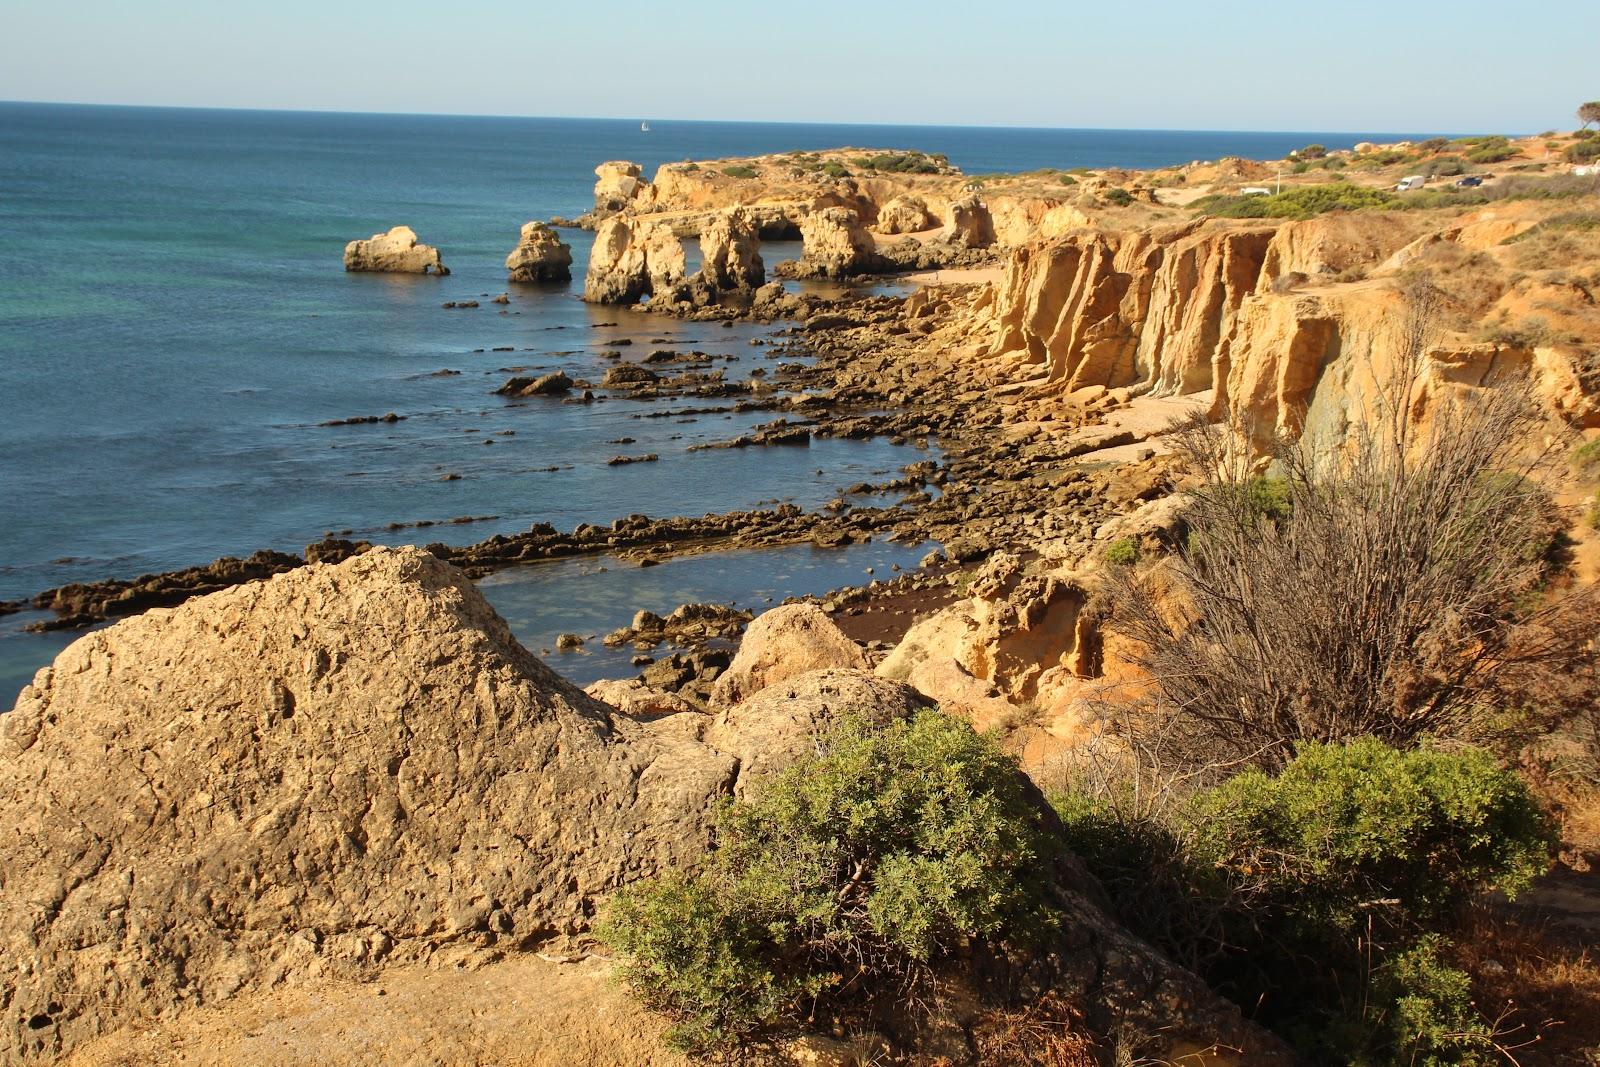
524,1011
957,276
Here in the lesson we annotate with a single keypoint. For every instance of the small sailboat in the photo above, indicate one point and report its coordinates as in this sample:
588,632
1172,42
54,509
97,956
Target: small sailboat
644,127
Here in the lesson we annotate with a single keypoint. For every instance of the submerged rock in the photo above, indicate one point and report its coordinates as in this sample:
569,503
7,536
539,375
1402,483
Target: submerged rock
540,256
396,252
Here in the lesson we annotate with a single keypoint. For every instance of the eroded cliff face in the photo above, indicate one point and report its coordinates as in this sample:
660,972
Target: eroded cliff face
1255,314
632,258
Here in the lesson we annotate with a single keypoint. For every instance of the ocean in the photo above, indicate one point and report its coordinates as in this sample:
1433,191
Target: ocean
175,325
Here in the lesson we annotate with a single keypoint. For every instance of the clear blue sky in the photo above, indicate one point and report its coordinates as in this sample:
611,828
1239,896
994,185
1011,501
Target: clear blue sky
1461,66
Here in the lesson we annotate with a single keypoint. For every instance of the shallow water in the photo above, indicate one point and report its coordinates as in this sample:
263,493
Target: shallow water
590,596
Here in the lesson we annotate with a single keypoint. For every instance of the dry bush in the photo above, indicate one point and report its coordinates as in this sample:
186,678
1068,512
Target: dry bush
1048,1032
1544,990
1395,586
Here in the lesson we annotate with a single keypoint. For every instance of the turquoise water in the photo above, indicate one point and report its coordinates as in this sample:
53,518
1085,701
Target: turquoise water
175,322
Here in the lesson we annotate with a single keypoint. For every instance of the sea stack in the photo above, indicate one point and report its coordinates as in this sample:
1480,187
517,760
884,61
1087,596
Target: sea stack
395,252
540,256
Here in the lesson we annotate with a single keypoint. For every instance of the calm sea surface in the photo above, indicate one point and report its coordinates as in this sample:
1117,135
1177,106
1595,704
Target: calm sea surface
175,322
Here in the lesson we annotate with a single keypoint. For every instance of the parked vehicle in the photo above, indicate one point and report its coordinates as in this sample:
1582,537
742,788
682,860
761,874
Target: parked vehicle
1255,190
1410,182
1471,181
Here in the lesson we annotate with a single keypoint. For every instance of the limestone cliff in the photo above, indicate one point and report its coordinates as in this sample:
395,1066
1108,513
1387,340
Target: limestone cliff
1256,315
730,252
631,258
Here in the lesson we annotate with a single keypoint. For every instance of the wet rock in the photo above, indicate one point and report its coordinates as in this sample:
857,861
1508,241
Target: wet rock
553,384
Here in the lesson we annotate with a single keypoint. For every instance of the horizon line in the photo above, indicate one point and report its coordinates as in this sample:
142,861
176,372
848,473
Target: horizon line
725,122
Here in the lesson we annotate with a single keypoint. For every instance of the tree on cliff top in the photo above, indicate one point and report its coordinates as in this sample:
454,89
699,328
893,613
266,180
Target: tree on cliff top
1589,114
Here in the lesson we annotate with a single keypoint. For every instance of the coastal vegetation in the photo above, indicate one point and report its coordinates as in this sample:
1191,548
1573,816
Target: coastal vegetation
852,875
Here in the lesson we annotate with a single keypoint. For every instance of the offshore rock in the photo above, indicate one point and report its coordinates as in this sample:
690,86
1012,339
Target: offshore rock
396,252
540,256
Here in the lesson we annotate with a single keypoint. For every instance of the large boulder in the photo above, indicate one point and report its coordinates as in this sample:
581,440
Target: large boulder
730,252
784,642
905,214
782,721
632,258
988,655
342,769
540,256
969,224
396,252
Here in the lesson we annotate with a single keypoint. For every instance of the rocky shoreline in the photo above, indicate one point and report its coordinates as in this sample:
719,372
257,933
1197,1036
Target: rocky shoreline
869,375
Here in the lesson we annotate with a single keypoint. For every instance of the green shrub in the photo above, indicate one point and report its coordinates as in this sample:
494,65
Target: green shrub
741,170
1117,196
1431,1019
1344,826
1433,144
875,858
901,163
1586,151
1301,202
1491,154
1446,166
1124,551
1313,151
834,169
1283,892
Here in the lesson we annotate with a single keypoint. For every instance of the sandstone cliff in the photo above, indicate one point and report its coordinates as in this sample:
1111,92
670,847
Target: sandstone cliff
1254,316
730,252
394,252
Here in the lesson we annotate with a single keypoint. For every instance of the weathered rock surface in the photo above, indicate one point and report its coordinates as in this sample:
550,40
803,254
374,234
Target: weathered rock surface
984,656
730,252
781,643
617,183
633,697
632,258
782,721
339,770
904,214
835,244
969,224
396,252
553,384
540,256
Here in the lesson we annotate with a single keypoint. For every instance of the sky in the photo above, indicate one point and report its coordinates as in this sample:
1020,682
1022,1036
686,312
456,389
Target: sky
1463,66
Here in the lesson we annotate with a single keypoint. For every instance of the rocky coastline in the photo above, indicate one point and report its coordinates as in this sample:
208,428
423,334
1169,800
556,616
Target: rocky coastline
337,771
